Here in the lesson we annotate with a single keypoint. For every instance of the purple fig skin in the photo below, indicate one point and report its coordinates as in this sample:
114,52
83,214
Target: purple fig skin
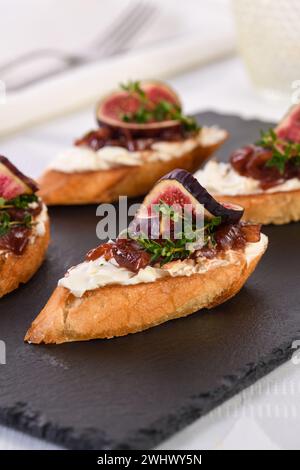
25,179
228,214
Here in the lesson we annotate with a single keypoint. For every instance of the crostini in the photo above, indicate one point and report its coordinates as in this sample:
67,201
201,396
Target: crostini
142,135
24,228
264,178
149,276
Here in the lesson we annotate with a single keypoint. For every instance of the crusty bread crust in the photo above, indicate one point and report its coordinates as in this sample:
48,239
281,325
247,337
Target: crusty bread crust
16,270
118,310
268,208
91,187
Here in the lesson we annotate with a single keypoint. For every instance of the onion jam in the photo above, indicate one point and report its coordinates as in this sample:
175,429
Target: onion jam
121,137
16,240
130,255
251,161
126,252
230,237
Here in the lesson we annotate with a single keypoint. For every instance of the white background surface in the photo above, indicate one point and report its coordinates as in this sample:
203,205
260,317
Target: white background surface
177,36
73,25
265,416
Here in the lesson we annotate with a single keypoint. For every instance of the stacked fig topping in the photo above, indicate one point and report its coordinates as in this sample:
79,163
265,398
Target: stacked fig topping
137,115
167,229
275,158
18,207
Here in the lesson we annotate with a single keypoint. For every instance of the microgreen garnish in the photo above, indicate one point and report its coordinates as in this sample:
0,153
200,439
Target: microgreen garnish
156,112
133,87
165,251
6,224
19,202
282,150
180,247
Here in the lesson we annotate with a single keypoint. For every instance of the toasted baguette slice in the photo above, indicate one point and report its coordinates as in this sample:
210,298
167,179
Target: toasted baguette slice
91,187
16,270
118,310
268,208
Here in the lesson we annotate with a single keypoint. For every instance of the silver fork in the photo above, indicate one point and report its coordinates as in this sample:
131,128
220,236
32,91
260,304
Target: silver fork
114,40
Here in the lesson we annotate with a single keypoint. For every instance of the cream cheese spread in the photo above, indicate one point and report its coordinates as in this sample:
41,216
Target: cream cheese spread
83,159
40,220
91,275
221,179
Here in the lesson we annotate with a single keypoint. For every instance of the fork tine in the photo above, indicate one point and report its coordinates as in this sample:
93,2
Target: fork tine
122,39
116,38
128,28
130,34
117,34
121,23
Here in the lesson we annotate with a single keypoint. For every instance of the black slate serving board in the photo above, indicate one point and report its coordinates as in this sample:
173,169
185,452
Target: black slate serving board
135,391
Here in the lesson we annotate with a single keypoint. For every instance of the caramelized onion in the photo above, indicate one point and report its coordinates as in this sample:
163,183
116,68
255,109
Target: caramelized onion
251,161
251,232
15,240
129,254
229,237
104,250
106,136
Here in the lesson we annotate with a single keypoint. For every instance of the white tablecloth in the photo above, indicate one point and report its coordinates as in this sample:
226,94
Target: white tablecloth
266,415
182,32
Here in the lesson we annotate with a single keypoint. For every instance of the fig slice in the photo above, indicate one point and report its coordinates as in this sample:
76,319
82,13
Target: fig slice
180,187
13,183
289,127
111,109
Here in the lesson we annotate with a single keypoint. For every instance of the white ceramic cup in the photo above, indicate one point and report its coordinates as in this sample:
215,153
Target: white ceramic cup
268,34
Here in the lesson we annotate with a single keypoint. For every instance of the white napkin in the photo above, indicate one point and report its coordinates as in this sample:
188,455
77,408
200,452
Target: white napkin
184,36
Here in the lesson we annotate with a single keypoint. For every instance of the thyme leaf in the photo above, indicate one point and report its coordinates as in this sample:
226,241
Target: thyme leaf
166,250
149,111
6,224
133,87
19,202
282,151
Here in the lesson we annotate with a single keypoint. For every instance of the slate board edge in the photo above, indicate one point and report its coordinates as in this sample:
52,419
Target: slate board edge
22,418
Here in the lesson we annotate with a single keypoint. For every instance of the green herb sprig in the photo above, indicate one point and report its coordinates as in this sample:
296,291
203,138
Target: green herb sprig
282,151
167,250
157,112
134,87
19,202
6,224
